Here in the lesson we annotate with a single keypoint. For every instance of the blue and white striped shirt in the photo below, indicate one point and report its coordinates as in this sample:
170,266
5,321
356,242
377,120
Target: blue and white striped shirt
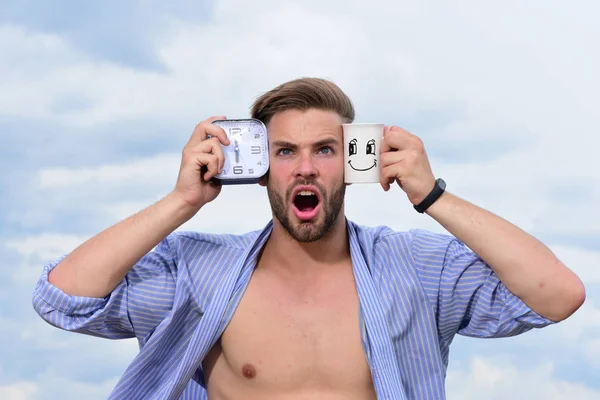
417,289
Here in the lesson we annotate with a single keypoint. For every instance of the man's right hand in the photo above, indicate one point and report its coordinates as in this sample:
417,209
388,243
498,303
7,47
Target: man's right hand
201,160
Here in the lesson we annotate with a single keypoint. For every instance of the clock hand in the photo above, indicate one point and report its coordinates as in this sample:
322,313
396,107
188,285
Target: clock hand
237,153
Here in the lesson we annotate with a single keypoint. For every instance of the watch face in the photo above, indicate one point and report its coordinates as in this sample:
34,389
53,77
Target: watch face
247,156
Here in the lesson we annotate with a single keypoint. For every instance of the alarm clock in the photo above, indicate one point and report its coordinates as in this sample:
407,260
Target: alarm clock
247,155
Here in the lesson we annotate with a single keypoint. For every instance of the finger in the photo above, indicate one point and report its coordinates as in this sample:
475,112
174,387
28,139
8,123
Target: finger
218,132
212,146
201,130
385,186
385,147
386,183
208,163
390,174
392,157
400,139
394,171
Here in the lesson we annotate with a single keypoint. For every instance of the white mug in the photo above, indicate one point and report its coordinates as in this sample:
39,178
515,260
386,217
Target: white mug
362,149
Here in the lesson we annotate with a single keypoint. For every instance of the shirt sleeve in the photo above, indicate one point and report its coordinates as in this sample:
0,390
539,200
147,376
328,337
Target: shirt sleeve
467,296
133,309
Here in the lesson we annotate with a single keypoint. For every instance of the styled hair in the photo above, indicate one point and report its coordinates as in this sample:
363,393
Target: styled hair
303,94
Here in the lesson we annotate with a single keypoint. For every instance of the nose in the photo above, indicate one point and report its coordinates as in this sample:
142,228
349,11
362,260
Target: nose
305,167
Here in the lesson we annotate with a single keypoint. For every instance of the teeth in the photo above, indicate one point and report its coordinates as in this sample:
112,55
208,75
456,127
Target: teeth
306,193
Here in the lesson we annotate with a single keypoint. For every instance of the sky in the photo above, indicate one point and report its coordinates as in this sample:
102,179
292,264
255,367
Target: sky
97,99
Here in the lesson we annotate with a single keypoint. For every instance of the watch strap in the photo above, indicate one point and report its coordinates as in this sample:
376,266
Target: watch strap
436,192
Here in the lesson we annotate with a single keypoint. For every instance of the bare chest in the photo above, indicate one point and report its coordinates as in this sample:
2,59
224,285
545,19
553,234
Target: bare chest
292,336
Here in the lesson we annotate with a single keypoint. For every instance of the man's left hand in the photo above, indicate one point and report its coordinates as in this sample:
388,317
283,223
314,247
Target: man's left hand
404,160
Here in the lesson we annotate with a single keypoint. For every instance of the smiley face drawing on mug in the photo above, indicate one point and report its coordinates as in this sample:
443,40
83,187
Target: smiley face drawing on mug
362,146
370,150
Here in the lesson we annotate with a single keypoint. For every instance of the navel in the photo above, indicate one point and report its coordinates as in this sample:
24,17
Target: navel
249,371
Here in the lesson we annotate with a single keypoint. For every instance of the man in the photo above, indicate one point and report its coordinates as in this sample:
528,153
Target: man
315,307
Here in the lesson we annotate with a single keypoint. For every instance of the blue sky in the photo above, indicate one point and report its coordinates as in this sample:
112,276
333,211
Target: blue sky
97,101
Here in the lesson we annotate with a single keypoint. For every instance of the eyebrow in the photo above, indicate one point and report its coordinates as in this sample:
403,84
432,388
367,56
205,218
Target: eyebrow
328,141
320,143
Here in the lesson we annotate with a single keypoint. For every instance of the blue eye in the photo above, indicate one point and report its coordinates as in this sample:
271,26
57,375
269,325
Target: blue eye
326,150
283,152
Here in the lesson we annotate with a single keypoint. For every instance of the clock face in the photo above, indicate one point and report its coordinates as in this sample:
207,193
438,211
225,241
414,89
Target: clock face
247,156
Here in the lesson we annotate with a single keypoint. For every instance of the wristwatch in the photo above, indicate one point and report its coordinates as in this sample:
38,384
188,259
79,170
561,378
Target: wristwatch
438,189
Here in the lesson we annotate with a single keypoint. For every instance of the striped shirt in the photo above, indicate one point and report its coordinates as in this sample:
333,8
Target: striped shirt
416,289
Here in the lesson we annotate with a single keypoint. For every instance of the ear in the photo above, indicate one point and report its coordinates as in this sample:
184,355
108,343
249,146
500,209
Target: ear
263,181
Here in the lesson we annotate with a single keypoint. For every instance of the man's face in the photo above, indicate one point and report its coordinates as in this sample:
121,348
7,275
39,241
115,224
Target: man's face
306,176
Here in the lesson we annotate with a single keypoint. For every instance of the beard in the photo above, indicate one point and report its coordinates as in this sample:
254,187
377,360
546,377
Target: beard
307,231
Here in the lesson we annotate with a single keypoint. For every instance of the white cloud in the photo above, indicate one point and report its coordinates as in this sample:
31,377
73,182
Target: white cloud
54,386
45,245
487,76
584,325
57,387
74,366
36,250
19,391
585,263
375,55
158,168
592,353
492,379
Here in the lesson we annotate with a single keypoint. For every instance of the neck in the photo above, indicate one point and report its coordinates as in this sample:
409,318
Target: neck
285,252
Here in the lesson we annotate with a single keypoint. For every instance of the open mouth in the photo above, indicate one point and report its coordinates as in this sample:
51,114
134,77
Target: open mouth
306,203
363,169
306,200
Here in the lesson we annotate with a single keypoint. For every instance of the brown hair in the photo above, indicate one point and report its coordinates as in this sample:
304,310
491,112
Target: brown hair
302,94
